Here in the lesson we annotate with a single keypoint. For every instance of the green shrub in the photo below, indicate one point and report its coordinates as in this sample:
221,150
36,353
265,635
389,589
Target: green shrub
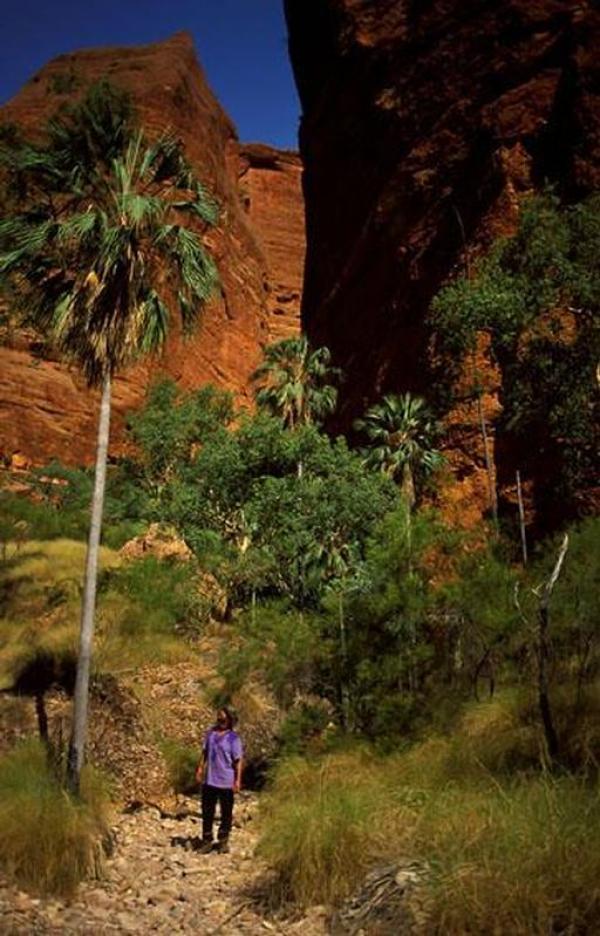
278,642
39,520
48,841
115,535
181,760
305,727
162,596
59,506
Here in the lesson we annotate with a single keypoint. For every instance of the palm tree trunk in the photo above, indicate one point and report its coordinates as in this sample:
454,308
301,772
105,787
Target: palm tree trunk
408,490
80,698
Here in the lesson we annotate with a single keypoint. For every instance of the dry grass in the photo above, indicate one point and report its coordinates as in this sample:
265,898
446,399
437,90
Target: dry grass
508,852
48,841
322,828
45,563
520,858
40,591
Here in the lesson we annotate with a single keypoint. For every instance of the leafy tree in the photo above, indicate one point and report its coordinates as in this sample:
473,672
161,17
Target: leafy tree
172,425
401,433
237,496
536,295
315,526
282,645
296,383
391,614
479,600
96,255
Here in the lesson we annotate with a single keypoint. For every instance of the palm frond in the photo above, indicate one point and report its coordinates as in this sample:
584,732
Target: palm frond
155,326
295,382
401,433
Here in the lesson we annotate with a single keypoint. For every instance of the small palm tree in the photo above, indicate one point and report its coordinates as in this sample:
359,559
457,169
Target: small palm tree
95,259
296,383
402,433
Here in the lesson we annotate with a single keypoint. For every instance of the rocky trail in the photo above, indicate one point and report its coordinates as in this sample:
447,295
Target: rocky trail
154,884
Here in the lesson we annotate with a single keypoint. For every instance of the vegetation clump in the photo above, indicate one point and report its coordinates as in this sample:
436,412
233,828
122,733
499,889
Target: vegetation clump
49,841
536,295
498,851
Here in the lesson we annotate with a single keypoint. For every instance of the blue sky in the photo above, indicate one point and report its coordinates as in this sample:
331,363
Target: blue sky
241,44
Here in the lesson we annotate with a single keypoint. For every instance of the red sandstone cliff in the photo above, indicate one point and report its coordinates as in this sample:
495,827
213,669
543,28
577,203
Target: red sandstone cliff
45,409
417,113
270,183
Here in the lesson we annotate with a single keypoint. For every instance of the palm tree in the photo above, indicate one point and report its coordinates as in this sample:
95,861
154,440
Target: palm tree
401,432
96,257
296,383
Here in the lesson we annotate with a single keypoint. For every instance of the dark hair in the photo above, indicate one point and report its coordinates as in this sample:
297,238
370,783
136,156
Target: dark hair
231,717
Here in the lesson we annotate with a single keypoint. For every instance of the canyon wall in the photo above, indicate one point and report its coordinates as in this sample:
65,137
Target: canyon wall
45,409
424,122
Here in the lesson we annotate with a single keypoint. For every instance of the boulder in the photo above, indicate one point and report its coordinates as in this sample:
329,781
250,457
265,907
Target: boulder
158,541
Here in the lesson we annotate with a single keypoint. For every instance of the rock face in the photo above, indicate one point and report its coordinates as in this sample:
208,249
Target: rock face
272,195
45,410
423,125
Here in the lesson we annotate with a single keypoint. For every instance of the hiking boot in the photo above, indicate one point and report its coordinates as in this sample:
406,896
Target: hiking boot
222,846
204,848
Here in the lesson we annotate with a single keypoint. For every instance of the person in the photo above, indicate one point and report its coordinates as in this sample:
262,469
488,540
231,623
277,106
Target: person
220,772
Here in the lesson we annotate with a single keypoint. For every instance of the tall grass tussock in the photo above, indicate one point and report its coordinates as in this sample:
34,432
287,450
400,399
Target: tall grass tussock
506,851
322,826
141,605
48,840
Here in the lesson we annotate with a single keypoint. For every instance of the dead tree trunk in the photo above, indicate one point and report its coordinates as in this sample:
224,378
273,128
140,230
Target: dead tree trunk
522,519
544,593
487,459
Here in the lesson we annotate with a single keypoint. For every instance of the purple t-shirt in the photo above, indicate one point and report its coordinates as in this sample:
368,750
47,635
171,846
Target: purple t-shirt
221,751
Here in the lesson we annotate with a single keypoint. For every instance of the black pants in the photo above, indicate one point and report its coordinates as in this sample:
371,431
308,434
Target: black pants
210,796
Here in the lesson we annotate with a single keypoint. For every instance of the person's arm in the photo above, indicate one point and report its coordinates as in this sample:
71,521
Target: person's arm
238,766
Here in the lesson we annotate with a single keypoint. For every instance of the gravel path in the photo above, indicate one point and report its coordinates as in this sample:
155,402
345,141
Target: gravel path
154,884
